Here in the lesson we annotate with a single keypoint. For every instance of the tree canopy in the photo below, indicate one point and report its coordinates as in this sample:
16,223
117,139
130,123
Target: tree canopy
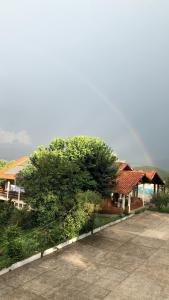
3,163
66,167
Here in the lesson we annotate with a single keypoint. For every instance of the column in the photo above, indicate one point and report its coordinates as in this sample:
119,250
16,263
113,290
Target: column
119,199
137,192
158,188
8,189
123,202
129,203
143,194
19,195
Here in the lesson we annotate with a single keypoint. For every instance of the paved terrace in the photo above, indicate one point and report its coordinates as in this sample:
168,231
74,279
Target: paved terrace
126,261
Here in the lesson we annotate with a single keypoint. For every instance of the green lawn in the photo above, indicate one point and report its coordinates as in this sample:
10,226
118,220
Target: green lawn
101,220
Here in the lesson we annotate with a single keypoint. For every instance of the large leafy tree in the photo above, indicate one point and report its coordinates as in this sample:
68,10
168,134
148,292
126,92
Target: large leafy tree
57,173
94,158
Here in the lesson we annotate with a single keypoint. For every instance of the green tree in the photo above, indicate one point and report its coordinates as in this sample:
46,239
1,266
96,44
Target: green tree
161,200
94,158
3,163
57,173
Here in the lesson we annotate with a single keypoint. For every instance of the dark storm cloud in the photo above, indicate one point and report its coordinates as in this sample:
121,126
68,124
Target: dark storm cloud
96,67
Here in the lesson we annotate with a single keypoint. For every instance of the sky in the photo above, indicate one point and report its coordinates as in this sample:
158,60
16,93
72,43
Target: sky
85,67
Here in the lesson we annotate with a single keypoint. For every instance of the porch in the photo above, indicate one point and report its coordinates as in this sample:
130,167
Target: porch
126,203
126,195
16,197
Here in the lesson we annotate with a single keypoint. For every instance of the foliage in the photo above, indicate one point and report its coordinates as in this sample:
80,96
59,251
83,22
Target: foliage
94,157
64,185
14,243
57,173
22,242
3,163
167,183
81,218
126,212
161,200
139,211
42,239
164,210
9,215
161,210
101,220
6,212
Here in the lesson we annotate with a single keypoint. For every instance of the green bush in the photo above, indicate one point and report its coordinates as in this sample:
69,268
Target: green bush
41,238
161,200
14,246
15,250
23,237
126,212
25,219
80,219
76,223
6,211
12,232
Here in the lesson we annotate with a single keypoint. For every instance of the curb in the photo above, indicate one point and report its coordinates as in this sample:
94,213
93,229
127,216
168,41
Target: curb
60,246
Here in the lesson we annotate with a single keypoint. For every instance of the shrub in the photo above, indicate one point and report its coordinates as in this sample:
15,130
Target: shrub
14,243
89,202
12,232
126,212
6,211
41,238
76,223
161,200
25,219
15,250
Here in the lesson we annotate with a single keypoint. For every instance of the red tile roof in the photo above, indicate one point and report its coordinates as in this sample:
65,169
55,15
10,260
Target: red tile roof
152,174
127,180
10,171
123,166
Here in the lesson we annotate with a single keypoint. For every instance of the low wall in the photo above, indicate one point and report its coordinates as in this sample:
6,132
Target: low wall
113,210
108,208
136,203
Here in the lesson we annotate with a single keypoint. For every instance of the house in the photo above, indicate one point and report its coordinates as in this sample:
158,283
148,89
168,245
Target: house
129,191
9,190
148,189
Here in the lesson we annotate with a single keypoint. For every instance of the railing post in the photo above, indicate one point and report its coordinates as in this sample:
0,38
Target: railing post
8,189
143,194
129,203
19,196
123,202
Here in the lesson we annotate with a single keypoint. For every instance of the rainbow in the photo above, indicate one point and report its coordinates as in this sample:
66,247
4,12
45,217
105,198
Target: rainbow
134,132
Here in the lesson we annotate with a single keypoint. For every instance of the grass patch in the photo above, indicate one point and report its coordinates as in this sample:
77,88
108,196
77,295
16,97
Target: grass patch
101,220
164,210
139,211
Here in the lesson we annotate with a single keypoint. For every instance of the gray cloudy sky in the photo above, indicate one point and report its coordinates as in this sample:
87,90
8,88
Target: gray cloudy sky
76,67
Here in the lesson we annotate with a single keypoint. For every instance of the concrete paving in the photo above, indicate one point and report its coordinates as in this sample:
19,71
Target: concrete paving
127,261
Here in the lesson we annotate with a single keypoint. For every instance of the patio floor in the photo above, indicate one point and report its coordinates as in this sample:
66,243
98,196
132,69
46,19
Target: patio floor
127,261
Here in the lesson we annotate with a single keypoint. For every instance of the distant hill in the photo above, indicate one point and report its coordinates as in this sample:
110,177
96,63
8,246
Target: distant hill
163,174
